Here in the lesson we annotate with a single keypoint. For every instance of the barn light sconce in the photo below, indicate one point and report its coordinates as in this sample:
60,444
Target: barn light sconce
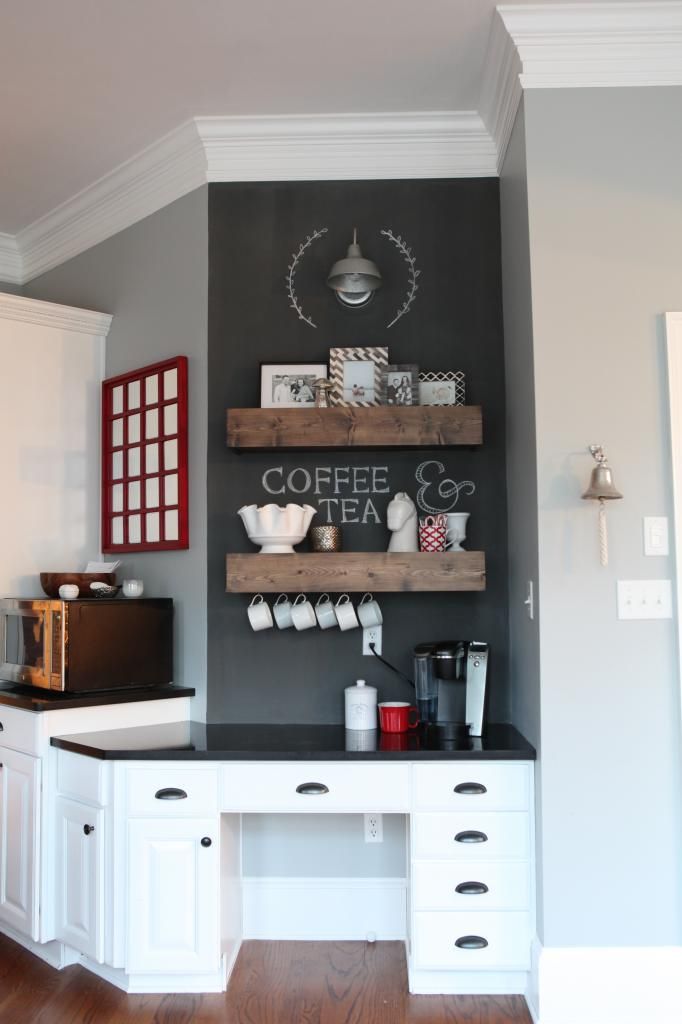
354,279
601,489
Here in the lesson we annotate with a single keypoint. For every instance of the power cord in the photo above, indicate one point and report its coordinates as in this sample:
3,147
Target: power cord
392,667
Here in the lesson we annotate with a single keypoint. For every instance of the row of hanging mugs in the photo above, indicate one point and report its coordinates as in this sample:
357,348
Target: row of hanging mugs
302,614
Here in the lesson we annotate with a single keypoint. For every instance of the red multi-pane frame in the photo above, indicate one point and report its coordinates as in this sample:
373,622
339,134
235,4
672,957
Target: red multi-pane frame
144,459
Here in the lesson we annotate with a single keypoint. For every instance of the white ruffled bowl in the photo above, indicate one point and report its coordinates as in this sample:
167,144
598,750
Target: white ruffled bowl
275,528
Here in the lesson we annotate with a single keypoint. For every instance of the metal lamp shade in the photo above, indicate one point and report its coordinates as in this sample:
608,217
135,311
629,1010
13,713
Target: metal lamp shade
354,276
601,485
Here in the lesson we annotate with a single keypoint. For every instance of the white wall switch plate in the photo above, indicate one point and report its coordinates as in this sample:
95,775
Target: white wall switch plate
645,599
371,635
656,535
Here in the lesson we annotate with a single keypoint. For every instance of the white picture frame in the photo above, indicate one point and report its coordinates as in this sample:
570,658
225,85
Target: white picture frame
289,385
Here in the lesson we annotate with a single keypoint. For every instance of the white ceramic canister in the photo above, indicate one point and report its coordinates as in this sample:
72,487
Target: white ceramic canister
361,706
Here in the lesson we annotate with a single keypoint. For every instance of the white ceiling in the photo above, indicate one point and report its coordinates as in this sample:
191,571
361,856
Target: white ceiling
86,84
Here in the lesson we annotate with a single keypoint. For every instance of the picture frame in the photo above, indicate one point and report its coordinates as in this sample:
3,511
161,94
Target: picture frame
442,388
400,384
289,385
145,489
357,375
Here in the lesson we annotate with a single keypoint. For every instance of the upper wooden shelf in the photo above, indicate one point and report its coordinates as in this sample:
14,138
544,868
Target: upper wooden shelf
355,571
381,426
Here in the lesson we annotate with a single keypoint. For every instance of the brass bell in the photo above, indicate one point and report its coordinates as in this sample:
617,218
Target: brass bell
601,484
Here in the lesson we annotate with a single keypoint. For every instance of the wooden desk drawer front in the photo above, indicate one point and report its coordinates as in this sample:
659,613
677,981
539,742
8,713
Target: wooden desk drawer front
471,786
172,790
483,886
436,936
314,787
494,836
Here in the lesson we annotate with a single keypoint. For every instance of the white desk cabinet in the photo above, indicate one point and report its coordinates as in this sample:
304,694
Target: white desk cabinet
79,889
19,835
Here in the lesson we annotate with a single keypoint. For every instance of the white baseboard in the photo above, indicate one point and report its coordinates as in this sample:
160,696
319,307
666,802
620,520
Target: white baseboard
155,983
54,953
324,908
606,985
456,983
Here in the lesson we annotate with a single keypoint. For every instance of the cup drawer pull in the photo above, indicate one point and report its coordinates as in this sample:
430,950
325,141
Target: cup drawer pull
471,888
471,836
471,942
312,788
470,789
170,794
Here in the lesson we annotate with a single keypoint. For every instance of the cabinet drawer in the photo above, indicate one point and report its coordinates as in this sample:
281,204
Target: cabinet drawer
495,885
80,778
172,791
19,730
331,788
435,938
471,787
493,836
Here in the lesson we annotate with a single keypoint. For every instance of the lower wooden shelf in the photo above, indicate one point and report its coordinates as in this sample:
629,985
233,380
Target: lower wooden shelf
355,571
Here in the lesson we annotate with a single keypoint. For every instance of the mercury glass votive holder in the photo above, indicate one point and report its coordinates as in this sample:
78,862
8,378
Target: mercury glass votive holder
325,538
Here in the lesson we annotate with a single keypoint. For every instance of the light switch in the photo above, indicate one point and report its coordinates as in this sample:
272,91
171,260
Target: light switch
656,535
645,599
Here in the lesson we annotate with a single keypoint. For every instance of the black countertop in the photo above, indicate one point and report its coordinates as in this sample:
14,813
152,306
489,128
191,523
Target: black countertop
195,741
32,699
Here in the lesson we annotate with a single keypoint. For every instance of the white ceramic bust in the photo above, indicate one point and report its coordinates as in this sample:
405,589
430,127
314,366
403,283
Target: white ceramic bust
401,519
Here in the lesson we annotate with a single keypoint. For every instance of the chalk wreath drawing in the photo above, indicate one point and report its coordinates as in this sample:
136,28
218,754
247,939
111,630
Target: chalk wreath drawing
412,274
446,489
291,274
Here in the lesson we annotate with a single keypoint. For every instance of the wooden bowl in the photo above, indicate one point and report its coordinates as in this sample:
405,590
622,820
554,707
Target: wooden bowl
52,581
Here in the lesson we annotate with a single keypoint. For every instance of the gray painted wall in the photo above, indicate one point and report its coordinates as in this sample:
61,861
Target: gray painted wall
11,289
153,278
605,212
522,490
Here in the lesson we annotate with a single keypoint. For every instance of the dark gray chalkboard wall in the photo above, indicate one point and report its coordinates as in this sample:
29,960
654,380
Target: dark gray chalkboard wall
455,323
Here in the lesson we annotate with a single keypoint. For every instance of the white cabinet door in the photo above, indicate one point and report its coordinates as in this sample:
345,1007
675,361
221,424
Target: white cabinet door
80,876
173,895
19,808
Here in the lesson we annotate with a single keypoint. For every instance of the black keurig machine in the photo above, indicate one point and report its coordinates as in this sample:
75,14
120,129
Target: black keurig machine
450,680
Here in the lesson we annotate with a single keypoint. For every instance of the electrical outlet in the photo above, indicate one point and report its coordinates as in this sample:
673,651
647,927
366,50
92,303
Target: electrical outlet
371,635
374,828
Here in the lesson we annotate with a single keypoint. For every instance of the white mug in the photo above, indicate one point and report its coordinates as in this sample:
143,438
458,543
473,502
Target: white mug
133,588
369,612
281,609
345,613
324,609
303,613
259,613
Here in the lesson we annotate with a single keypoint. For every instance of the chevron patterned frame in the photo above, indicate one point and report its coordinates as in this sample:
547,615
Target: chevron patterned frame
360,393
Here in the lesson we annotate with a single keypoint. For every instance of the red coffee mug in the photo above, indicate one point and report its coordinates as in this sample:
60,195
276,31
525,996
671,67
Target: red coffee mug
394,716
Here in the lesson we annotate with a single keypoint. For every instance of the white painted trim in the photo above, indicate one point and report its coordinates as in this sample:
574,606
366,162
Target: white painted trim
54,953
163,172
214,981
10,260
673,340
500,87
50,314
461,983
606,985
428,144
324,908
569,46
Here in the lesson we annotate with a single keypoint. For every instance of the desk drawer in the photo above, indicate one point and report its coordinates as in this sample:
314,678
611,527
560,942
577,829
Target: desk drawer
507,938
495,885
493,836
172,790
315,787
471,787
19,730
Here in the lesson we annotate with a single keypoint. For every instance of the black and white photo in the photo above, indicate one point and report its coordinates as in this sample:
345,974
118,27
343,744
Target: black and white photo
401,385
289,385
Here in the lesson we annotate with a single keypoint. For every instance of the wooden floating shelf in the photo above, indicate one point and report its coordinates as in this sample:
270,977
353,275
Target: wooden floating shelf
356,571
382,426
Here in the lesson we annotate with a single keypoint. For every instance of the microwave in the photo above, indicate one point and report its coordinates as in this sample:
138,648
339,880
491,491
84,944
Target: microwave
81,646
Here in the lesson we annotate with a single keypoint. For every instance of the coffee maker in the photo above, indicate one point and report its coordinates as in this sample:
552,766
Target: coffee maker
450,680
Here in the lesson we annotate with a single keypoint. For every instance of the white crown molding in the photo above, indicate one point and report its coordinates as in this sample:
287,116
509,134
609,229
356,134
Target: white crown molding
500,87
440,144
10,260
595,45
155,177
50,314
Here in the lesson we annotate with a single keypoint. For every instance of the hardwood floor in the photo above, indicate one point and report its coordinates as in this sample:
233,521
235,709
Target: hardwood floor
273,983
